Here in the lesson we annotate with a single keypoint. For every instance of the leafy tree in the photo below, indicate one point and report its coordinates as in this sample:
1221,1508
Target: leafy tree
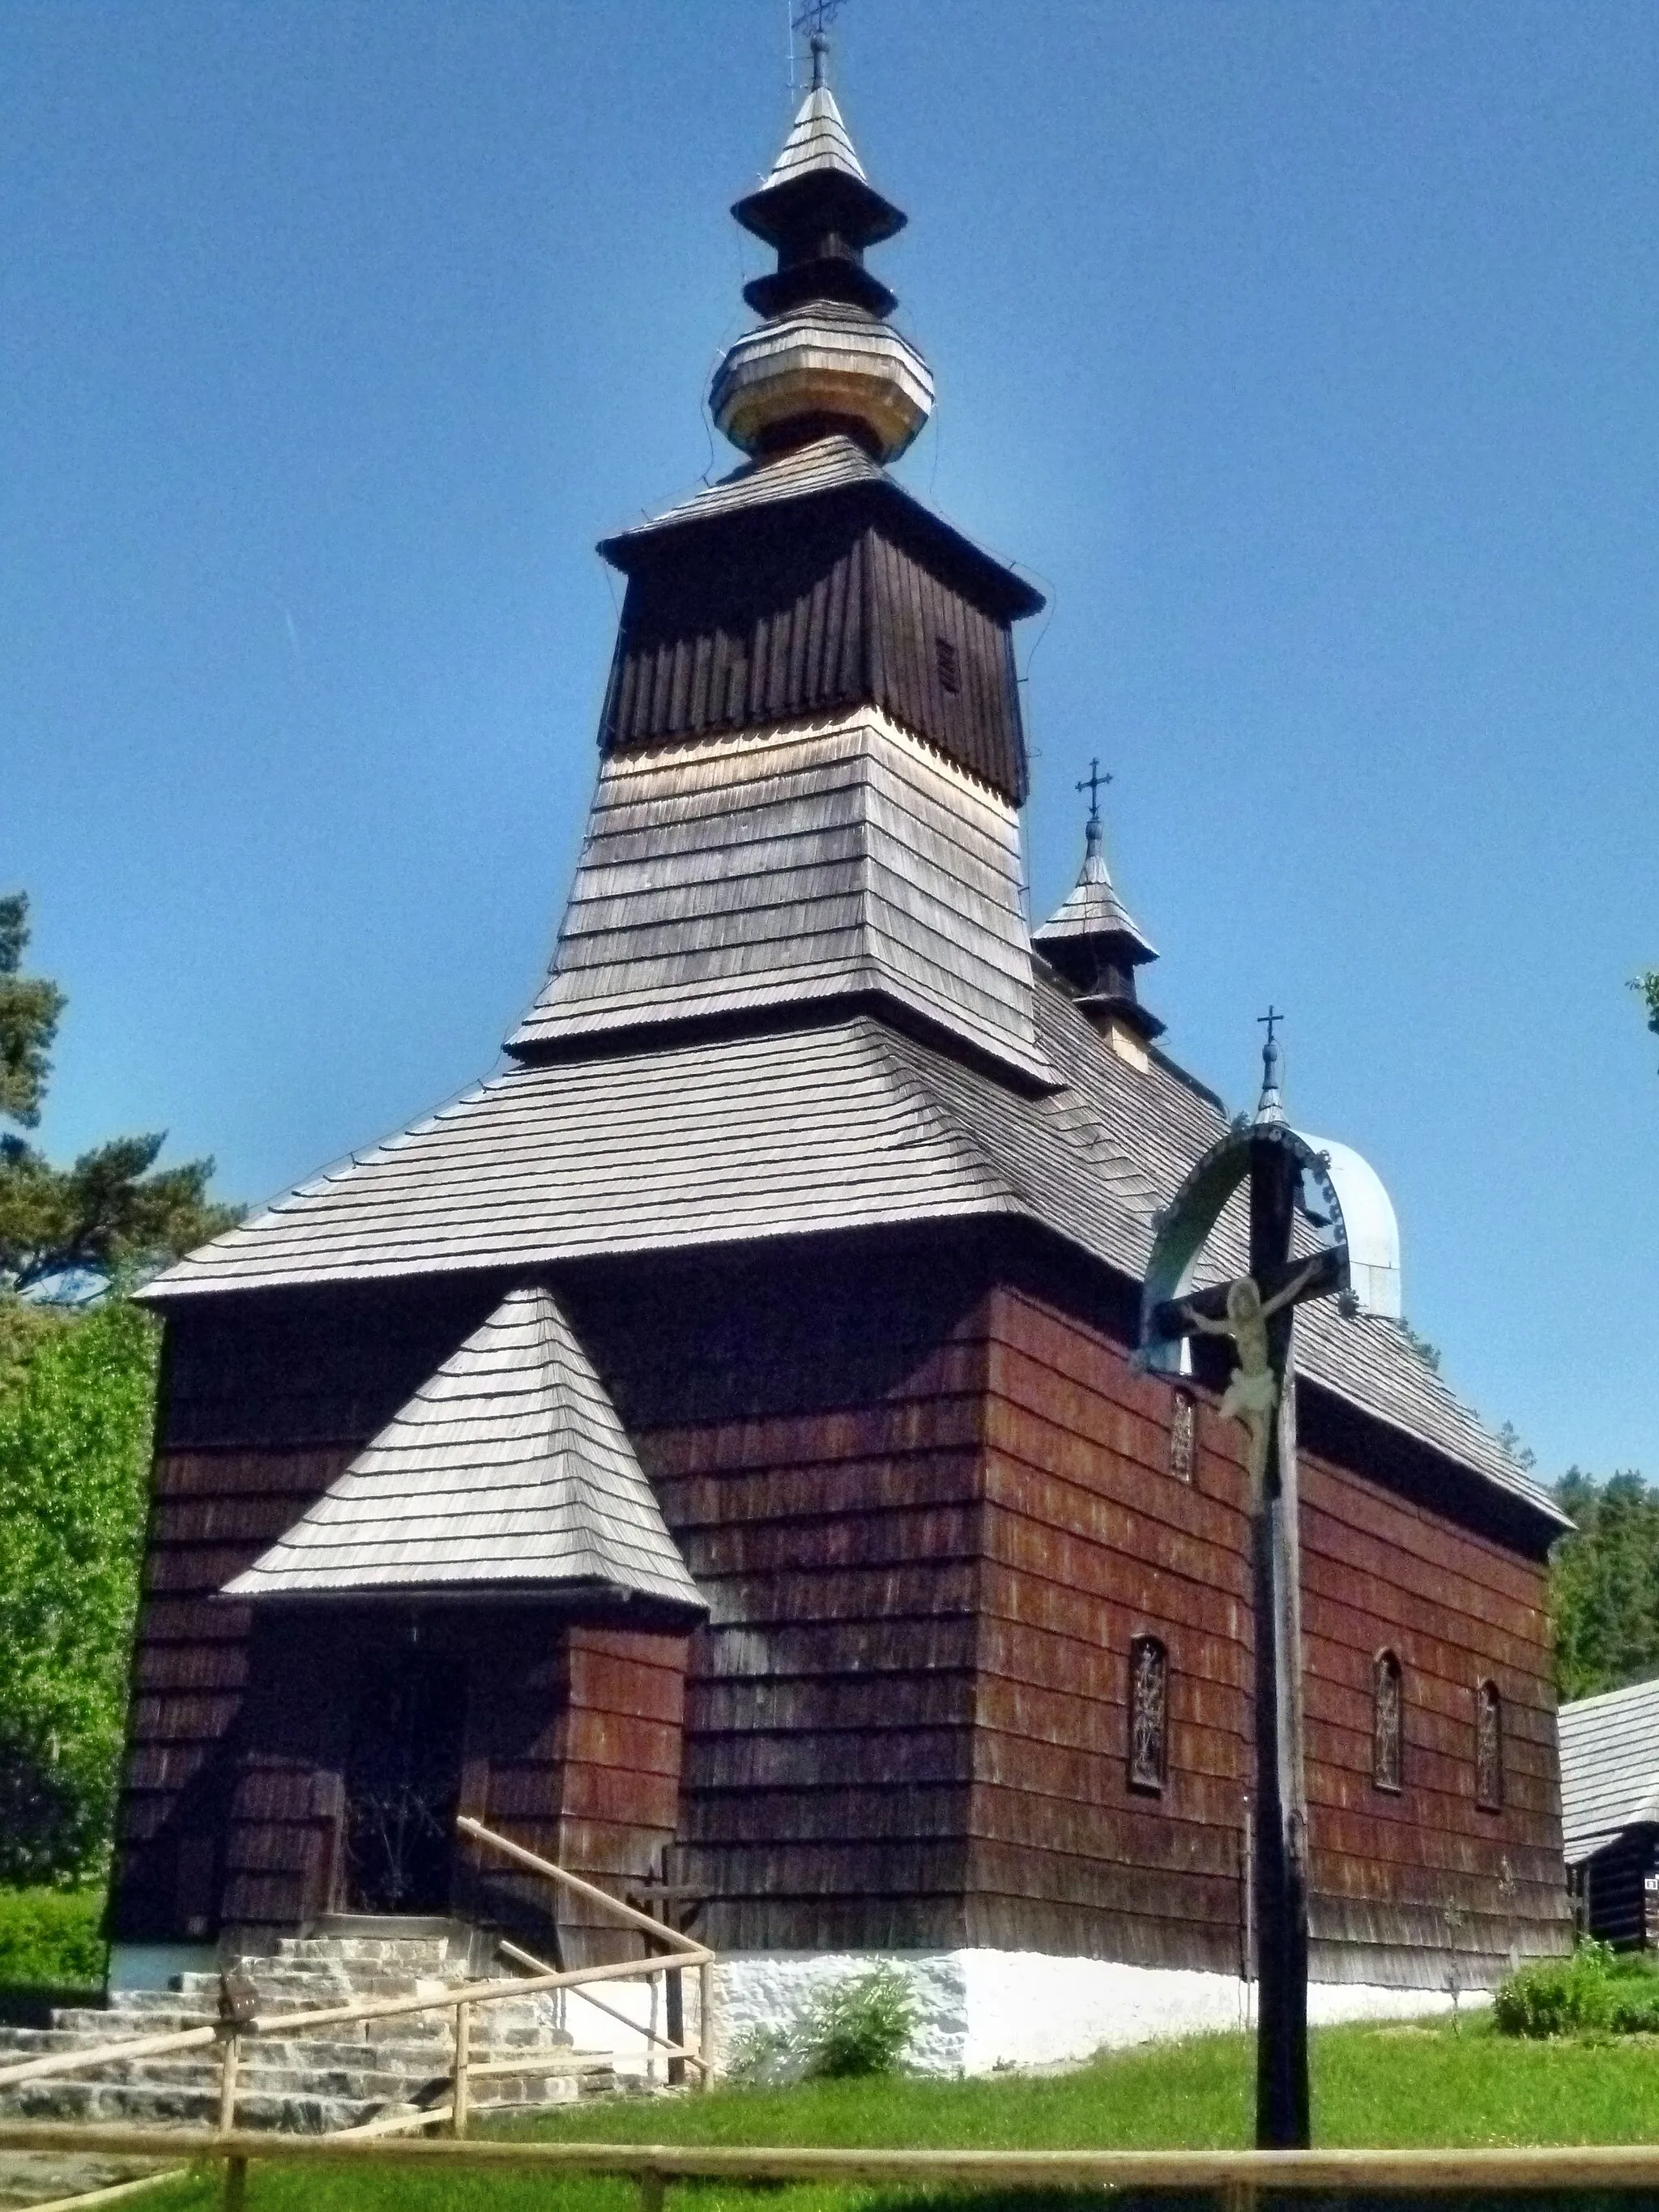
1604,1584
77,1382
75,1435
1427,1353
113,1213
1646,987
1517,1446
29,1012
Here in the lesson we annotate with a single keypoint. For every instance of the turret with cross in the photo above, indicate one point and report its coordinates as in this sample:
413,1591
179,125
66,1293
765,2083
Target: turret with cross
1094,945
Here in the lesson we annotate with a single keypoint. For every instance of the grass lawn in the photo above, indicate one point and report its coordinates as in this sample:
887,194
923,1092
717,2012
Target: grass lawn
1371,2087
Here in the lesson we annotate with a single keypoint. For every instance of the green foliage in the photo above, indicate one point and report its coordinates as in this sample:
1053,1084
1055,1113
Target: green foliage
114,1214
1604,1584
853,2028
1557,1996
1427,1353
50,1939
1598,1990
858,2026
1646,987
29,1010
75,1435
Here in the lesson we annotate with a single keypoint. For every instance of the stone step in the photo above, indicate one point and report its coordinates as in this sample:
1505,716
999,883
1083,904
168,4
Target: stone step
94,2025
183,2106
337,2077
429,1954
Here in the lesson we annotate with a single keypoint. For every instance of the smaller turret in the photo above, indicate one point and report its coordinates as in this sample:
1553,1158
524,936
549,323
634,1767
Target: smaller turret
1093,944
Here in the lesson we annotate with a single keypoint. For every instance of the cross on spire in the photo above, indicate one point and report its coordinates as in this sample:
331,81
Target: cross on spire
811,20
1270,1106
1092,784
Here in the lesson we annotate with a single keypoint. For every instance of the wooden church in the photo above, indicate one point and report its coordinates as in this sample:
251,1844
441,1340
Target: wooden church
713,1449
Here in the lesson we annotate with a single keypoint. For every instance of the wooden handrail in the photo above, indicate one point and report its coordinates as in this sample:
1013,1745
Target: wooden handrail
1556,2168
671,1936
674,2049
464,1993
133,2046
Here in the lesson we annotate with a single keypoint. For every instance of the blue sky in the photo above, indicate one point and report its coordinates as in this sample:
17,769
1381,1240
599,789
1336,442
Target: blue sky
1306,355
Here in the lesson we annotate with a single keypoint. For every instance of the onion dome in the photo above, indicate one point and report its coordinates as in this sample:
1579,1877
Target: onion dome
823,358
1094,944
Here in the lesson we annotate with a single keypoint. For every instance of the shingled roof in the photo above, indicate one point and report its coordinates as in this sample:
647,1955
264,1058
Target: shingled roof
801,1130
508,1469
818,139
1609,1768
835,860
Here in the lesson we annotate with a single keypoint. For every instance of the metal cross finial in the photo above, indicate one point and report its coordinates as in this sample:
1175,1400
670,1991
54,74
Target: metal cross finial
1270,1106
812,21
1091,783
813,17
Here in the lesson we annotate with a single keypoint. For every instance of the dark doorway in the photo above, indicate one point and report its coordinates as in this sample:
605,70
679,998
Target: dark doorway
402,1781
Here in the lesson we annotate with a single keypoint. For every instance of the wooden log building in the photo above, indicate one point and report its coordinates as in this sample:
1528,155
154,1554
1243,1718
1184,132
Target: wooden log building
1610,1813
713,1448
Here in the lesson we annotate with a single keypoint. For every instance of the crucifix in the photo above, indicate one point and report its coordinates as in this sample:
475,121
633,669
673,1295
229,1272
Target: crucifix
1256,1313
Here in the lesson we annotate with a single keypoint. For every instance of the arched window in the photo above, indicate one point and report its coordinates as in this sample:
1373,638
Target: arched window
1183,1437
1388,1723
1489,1747
1149,1714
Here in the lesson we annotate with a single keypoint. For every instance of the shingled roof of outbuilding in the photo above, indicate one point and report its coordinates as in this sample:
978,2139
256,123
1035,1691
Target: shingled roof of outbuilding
803,1131
507,1469
1609,1768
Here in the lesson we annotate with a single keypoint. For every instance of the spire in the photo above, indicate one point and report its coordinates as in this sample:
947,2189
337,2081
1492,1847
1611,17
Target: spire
821,360
1092,939
1270,1107
817,140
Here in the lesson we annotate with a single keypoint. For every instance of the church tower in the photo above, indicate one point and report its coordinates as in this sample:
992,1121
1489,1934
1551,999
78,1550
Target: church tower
812,762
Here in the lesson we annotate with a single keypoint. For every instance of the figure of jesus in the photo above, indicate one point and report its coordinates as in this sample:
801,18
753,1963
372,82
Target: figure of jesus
1252,1394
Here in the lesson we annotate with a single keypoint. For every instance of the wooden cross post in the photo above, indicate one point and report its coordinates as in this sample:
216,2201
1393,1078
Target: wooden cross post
1279,1805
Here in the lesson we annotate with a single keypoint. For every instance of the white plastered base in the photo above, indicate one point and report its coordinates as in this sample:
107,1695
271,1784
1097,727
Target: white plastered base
985,2010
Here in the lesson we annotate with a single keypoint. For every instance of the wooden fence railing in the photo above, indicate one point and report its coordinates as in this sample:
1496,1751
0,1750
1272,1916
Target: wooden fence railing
684,1951
675,1954
1238,2178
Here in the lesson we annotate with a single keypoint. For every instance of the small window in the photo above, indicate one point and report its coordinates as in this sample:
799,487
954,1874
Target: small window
1183,1437
1149,1714
950,665
1489,1748
1387,1723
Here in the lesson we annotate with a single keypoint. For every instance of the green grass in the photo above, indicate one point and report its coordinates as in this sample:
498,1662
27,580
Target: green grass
1377,2087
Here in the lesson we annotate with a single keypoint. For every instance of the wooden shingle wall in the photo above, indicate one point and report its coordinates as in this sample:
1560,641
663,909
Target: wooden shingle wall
811,612
931,1504
619,1794
1092,1541
814,1429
